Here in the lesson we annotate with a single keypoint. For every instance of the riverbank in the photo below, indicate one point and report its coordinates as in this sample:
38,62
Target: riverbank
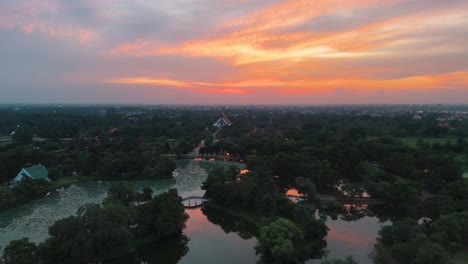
53,186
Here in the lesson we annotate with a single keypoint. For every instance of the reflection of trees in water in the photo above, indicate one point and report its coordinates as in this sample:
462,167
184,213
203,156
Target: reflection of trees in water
169,251
313,249
230,223
349,212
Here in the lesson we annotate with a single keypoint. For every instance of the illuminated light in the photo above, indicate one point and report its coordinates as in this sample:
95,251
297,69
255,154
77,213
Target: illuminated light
294,192
244,171
276,177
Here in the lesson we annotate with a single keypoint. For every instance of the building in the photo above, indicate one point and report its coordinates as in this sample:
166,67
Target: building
37,172
222,122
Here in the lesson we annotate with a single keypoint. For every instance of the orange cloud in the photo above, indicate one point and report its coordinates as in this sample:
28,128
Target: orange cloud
278,34
310,86
128,47
196,86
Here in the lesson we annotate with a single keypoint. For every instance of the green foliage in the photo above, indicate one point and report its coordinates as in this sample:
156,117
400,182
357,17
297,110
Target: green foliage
121,193
29,189
163,169
307,187
147,194
450,225
164,215
457,189
399,191
94,234
347,260
411,243
323,175
313,229
370,172
280,240
98,233
431,253
402,164
401,231
23,135
6,194
20,251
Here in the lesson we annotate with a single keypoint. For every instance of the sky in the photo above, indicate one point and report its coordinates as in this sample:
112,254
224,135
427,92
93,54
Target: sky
234,51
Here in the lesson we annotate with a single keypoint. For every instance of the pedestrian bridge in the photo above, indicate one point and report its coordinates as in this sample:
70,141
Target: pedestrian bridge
192,202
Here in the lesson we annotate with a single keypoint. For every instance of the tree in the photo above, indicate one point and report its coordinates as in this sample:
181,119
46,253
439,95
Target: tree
95,234
399,191
431,253
307,187
20,251
5,194
23,135
122,194
147,194
369,171
163,216
313,229
323,175
280,240
347,260
401,231
283,165
402,164
29,189
450,225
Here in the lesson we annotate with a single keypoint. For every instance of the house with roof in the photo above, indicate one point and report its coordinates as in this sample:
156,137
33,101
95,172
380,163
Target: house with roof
37,172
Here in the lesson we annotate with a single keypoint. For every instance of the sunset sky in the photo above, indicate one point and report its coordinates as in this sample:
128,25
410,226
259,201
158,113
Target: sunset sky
234,51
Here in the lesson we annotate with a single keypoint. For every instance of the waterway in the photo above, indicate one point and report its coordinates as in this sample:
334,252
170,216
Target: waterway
211,236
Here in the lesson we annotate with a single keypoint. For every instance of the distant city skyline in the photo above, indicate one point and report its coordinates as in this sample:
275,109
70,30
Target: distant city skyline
234,51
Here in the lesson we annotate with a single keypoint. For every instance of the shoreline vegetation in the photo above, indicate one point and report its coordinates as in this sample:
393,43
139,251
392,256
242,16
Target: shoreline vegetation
126,219
40,189
29,190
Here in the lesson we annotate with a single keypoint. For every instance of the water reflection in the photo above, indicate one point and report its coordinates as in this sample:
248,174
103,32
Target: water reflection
169,251
225,240
230,223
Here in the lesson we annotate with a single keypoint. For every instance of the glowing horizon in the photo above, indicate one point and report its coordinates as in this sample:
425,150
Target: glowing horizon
272,51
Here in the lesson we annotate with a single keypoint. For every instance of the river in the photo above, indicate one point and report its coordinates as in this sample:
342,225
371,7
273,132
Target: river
211,236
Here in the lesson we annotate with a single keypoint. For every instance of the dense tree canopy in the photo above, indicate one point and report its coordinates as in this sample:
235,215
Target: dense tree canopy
99,232
280,241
